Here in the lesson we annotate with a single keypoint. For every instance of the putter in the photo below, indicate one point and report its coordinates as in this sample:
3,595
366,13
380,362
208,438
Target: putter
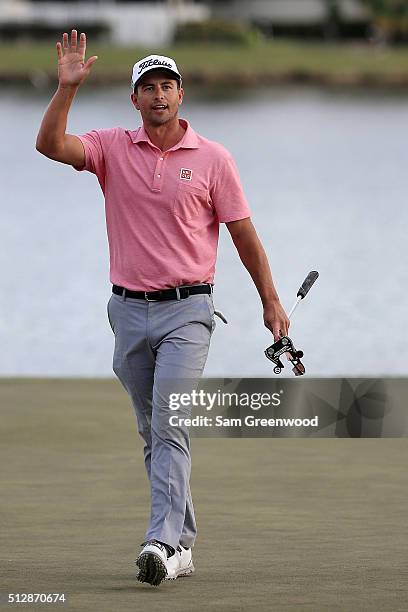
285,346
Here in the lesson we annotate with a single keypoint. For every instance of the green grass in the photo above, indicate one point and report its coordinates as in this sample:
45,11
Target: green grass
315,525
209,61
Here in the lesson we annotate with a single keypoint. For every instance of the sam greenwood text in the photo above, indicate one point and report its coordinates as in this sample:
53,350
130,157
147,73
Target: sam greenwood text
248,421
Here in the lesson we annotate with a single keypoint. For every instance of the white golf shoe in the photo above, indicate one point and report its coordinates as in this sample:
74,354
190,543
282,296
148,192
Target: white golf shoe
180,564
152,563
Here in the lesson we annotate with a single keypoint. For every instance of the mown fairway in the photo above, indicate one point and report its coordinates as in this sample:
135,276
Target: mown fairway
284,524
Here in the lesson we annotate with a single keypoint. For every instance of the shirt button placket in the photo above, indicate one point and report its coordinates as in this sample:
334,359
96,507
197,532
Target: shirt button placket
158,173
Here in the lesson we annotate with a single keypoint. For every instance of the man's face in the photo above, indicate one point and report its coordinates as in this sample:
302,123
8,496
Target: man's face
158,98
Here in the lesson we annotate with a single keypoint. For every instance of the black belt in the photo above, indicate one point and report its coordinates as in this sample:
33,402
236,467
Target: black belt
178,293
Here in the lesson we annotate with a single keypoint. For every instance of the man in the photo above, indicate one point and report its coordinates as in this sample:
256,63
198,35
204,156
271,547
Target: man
166,191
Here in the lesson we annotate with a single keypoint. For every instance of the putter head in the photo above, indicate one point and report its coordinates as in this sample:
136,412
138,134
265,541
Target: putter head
284,346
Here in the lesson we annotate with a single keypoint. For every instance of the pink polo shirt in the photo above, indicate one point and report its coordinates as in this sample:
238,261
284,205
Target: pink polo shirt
163,210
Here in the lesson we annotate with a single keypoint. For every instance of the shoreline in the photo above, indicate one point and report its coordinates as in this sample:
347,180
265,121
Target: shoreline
42,79
271,62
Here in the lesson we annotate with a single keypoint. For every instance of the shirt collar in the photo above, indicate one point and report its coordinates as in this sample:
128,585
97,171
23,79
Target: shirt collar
189,140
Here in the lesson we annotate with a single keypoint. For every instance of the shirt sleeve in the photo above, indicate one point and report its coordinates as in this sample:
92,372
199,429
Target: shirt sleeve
227,194
93,143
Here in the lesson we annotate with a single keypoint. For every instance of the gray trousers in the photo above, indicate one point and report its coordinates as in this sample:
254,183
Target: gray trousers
159,346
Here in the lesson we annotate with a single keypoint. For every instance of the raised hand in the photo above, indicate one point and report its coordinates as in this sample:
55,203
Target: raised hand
72,68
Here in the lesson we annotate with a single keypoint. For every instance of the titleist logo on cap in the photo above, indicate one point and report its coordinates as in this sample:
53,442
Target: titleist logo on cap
154,62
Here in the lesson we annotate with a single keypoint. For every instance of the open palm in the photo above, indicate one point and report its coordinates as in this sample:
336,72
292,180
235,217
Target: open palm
72,68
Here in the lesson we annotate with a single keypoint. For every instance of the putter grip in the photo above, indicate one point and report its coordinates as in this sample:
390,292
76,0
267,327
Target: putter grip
307,284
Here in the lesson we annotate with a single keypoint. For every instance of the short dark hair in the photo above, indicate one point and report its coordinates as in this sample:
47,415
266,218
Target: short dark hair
170,74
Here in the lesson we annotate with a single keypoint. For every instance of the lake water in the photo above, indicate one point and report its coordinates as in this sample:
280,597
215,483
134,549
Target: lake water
325,173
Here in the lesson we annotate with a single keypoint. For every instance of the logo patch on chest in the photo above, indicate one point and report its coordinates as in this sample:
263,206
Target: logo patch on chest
186,174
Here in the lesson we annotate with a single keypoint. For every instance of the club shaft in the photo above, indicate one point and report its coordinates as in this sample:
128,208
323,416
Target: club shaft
294,307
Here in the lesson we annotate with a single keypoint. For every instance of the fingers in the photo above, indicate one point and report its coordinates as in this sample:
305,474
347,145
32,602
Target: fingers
284,329
72,47
284,326
74,41
91,61
278,327
275,328
278,333
82,44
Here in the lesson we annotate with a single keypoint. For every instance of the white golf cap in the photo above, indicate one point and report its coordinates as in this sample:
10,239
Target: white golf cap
154,62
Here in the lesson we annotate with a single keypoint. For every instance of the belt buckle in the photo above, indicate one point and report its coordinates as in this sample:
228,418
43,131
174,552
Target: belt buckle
148,299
